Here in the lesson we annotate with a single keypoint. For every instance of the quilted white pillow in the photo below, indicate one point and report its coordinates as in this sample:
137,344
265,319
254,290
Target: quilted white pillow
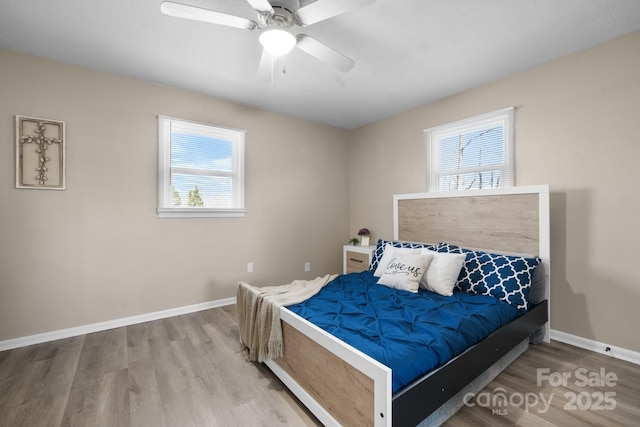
389,250
443,271
404,271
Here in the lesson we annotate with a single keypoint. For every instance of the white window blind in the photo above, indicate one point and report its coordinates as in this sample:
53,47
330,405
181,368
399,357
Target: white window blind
471,154
200,169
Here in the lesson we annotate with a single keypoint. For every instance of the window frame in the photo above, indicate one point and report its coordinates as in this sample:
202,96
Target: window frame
165,207
434,136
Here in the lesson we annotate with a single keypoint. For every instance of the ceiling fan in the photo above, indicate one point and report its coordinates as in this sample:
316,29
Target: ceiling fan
275,19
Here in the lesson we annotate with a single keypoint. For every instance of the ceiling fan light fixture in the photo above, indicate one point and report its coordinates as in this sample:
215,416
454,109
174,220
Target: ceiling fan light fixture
277,42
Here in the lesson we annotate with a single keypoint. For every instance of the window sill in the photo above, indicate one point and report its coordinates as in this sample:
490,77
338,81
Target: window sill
201,213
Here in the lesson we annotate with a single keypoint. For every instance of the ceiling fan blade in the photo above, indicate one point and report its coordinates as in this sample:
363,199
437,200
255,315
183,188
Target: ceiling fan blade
324,53
261,5
205,15
266,67
320,10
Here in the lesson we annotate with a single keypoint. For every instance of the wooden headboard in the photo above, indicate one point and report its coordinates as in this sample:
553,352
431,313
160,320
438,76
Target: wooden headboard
514,220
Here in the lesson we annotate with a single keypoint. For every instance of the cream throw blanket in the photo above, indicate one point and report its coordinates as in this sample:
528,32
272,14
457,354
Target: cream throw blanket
259,314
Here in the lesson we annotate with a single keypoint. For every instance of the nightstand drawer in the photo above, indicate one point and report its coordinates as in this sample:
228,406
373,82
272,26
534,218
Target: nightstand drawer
357,261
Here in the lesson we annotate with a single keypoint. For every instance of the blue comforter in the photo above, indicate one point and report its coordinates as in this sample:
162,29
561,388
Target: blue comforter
410,333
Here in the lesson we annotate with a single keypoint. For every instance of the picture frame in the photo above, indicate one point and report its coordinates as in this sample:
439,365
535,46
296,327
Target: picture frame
40,153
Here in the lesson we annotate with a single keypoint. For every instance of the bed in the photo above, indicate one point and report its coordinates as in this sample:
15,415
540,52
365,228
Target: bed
342,385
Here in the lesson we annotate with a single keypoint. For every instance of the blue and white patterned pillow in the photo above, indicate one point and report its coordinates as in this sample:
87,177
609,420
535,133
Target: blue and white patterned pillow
505,277
450,248
377,254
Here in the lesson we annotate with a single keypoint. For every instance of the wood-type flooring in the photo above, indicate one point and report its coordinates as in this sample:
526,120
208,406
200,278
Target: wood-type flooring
188,371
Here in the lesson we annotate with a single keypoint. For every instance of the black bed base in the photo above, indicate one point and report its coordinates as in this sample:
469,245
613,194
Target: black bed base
418,400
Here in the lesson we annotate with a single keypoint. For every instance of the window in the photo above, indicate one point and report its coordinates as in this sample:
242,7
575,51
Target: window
472,154
200,170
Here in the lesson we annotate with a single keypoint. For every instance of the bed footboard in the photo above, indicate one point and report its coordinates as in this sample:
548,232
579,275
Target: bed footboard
339,384
343,386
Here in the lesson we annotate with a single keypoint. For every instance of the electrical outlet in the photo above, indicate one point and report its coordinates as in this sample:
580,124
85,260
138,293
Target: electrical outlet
249,267
307,266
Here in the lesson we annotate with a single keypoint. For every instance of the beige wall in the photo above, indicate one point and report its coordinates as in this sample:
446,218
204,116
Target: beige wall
577,128
97,251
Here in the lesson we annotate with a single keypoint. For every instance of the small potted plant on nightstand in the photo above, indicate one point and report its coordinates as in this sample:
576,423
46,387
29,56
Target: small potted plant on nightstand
354,241
364,234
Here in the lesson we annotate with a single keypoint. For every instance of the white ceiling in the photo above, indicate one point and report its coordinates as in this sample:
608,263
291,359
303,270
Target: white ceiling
407,52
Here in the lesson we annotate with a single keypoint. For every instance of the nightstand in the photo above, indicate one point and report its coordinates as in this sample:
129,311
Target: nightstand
356,258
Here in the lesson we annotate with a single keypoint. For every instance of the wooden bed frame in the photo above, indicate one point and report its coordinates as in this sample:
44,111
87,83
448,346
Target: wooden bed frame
342,386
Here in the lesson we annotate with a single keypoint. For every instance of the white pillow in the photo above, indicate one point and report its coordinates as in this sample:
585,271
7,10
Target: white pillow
442,273
404,271
389,250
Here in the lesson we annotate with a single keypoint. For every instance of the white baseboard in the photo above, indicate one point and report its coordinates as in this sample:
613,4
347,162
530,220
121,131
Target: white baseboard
110,324
596,346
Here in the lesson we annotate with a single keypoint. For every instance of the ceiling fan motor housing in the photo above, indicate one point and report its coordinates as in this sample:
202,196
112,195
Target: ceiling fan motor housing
283,13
